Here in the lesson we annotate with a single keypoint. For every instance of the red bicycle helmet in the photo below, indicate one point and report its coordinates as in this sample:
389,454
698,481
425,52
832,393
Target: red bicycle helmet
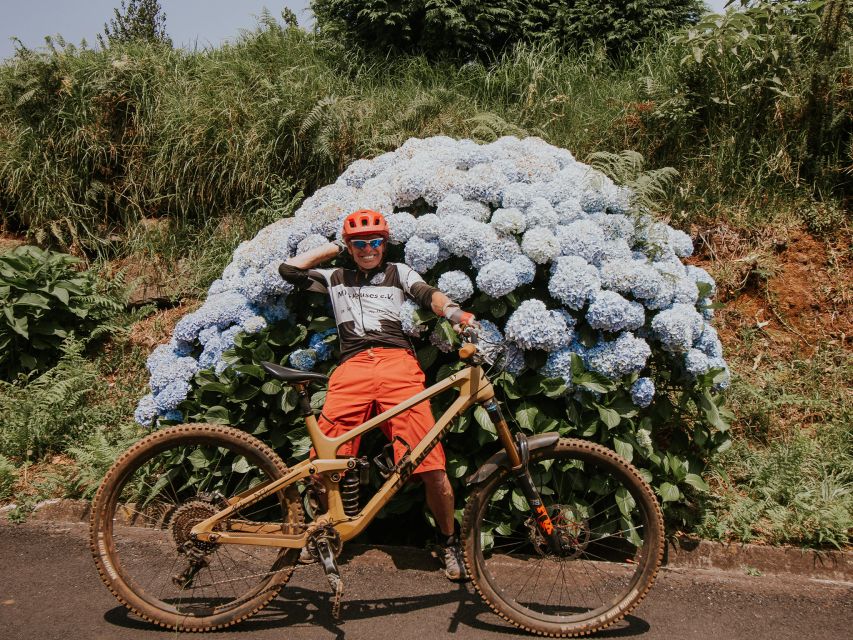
365,222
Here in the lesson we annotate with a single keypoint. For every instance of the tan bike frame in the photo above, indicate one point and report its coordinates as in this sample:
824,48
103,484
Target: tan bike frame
473,386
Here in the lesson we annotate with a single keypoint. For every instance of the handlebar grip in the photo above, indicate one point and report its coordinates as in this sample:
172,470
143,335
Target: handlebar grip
467,350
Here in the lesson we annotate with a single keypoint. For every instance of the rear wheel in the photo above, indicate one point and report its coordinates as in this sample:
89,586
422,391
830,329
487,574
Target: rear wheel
157,492
605,510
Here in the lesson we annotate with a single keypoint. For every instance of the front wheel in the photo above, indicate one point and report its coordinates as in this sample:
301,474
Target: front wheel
600,505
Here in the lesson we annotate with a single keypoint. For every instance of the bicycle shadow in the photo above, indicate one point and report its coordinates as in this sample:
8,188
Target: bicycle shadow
301,606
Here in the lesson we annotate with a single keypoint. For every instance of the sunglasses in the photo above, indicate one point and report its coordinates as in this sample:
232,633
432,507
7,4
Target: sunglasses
362,244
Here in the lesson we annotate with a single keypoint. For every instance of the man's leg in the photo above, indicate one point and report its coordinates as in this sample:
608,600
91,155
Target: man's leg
439,499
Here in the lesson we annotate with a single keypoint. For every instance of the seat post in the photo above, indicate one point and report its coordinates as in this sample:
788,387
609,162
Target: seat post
304,400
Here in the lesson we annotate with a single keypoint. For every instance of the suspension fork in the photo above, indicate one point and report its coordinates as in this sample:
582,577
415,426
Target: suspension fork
518,457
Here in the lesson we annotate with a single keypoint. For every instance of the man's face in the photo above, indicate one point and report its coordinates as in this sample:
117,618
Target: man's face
367,252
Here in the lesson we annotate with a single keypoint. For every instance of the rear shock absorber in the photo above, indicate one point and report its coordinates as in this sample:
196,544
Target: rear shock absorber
350,486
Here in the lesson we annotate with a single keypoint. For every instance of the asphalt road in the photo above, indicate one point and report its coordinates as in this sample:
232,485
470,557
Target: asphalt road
49,590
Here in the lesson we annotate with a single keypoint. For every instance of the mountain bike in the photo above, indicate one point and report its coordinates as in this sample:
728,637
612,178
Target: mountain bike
198,526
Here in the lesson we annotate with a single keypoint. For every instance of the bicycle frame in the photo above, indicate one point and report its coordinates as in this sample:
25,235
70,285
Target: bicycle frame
474,387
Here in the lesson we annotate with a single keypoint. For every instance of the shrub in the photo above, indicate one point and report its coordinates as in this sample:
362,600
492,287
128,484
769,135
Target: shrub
608,332
465,30
46,301
8,476
48,411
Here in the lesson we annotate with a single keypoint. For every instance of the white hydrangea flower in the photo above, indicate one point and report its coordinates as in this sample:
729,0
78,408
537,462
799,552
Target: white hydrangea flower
533,326
508,221
581,238
612,313
456,285
497,278
540,245
420,254
573,281
401,227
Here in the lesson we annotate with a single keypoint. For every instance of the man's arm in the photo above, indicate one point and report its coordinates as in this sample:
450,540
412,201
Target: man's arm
316,256
443,306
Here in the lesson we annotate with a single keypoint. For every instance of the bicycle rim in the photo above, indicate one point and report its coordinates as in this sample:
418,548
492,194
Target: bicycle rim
153,496
598,502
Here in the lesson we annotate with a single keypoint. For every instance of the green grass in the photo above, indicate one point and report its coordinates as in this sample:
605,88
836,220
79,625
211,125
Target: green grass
788,478
145,131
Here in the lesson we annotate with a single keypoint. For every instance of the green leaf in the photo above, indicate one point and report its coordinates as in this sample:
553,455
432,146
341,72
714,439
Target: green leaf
526,416
711,411
519,501
321,324
625,501
427,356
609,417
217,415
669,492
271,387
198,459
241,465
483,419
623,448
696,481
553,387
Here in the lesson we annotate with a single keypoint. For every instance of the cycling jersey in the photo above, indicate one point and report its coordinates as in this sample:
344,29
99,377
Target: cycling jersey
366,305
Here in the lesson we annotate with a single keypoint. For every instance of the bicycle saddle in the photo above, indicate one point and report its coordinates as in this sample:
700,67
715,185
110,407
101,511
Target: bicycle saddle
292,375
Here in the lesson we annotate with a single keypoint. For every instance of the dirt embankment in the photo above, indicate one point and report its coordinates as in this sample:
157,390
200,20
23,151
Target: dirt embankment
788,290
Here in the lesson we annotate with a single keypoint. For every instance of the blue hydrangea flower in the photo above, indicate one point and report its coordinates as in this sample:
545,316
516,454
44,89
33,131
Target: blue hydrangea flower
253,324
429,226
581,238
303,359
569,211
559,365
401,227
699,275
508,221
642,394
610,312
696,363
456,285
678,327
533,326
525,269
168,398
617,358
311,241
440,341
540,213
540,245
318,343
680,242
421,255
407,319
573,281
709,342
145,411
497,278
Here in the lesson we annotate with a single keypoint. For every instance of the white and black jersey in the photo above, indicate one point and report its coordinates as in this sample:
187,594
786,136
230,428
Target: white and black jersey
366,305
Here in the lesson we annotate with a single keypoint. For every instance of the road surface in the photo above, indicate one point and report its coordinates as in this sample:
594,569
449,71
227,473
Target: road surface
49,590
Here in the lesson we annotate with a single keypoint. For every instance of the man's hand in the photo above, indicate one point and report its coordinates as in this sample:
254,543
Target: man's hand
462,320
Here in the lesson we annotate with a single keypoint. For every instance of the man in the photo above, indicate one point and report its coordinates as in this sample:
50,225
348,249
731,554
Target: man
378,368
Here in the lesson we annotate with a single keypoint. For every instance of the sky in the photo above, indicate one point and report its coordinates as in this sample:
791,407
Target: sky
190,23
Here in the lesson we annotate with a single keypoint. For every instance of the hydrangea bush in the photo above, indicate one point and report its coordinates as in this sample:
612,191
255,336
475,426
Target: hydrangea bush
608,333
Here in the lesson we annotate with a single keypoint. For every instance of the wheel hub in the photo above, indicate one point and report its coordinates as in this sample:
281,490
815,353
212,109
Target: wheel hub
574,531
185,518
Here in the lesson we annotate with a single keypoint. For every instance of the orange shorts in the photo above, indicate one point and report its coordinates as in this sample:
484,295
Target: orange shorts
374,381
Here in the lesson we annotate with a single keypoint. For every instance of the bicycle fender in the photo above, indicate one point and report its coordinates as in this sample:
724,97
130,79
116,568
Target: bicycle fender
499,460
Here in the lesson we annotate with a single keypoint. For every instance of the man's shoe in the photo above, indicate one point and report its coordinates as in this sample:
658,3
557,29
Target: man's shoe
451,556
